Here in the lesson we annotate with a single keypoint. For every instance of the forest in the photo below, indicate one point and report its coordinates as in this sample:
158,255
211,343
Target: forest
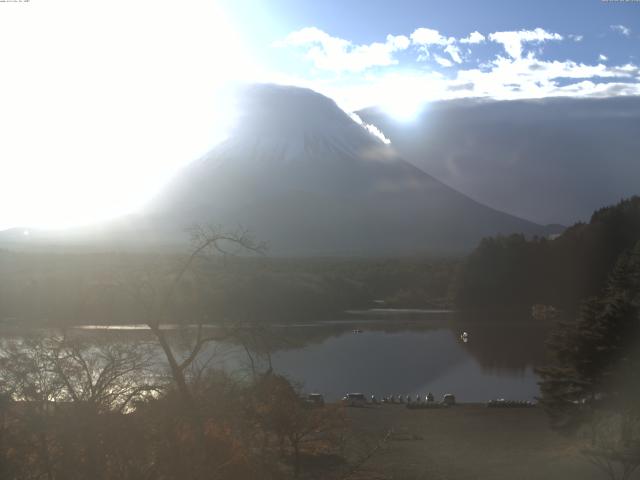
504,272
514,271
100,288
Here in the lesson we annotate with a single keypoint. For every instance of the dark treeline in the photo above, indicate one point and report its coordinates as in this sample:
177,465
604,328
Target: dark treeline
590,386
512,271
99,288
597,354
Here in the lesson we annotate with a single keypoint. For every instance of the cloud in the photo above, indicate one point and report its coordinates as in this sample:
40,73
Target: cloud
460,87
442,61
336,54
530,77
621,29
454,52
403,93
518,75
576,38
513,40
474,37
426,37
372,129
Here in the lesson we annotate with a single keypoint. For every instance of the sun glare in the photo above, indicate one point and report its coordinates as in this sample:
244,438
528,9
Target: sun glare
402,112
101,115
405,97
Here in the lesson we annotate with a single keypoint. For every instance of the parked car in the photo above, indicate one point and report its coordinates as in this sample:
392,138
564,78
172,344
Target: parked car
354,400
315,399
449,399
502,403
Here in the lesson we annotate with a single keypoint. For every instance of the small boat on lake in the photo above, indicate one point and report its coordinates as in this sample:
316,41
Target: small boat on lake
464,336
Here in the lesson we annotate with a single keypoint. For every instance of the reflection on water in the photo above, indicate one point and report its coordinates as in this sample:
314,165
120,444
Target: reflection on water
418,355
411,352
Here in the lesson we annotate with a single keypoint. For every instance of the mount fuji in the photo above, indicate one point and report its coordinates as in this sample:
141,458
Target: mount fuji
302,175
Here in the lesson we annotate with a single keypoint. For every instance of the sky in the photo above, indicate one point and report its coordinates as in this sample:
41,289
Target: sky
102,101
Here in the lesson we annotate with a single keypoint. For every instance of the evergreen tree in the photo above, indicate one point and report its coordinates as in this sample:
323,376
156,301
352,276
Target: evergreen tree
591,388
594,358
514,271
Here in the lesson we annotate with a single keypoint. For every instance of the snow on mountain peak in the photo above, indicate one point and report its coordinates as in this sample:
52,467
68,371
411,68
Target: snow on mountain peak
285,112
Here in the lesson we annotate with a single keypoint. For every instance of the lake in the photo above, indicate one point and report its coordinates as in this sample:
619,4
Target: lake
395,352
419,354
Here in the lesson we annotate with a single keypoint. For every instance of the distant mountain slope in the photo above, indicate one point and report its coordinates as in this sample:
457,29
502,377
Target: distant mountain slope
302,175
553,160
513,271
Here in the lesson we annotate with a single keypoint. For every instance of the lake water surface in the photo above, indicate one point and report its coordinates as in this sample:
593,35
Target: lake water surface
397,352
411,352
416,355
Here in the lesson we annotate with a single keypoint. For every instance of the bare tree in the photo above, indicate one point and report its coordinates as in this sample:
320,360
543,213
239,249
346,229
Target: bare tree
612,443
66,392
206,240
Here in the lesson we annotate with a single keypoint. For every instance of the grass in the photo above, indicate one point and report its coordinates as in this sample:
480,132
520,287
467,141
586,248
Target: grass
467,442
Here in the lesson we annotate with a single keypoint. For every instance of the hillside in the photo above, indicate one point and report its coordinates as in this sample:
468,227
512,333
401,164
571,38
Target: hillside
514,271
552,160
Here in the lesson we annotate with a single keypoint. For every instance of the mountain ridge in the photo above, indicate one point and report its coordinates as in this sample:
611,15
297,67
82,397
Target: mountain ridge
341,173
551,160
300,174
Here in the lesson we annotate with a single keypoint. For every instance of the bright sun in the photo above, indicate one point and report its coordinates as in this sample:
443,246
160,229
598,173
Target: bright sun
404,97
403,111
97,113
